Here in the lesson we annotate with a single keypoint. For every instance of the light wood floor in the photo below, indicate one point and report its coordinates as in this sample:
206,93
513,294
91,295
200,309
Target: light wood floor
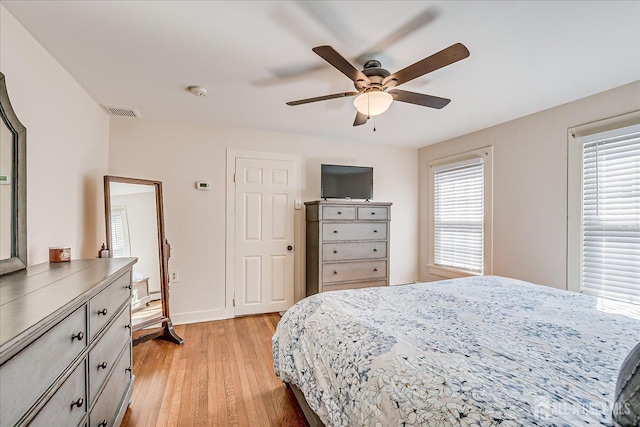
221,376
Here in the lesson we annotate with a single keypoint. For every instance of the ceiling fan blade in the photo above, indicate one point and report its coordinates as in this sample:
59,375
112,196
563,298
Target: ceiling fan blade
325,14
453,53
334,58
322,98
360,119
419,98
417,22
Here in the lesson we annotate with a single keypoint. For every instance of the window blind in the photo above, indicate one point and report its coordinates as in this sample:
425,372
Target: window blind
118,249
459,215
611,214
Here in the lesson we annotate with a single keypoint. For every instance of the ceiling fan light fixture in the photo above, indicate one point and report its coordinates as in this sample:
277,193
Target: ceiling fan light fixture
373,103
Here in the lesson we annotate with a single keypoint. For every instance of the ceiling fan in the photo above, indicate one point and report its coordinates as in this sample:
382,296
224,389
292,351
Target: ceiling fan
375,85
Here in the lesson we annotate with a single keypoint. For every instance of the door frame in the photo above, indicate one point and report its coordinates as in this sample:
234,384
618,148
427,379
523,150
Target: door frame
298,218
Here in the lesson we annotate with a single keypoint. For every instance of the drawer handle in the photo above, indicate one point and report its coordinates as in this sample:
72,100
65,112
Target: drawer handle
335,272
339,213
79,336
103,423
335,252
103,365
375,269
375,249
373,213
375,231
128,287
78,403
103,311
335,231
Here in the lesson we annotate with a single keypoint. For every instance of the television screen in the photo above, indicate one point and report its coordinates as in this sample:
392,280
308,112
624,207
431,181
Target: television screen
346,182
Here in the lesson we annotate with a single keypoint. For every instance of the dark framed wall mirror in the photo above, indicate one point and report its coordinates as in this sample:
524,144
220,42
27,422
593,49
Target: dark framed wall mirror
135,228
13,187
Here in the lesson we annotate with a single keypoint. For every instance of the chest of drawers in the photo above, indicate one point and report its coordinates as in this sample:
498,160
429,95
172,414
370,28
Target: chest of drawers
65,344
347,245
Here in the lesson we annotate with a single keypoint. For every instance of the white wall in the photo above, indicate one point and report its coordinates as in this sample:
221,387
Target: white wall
530,184
67,147
179,154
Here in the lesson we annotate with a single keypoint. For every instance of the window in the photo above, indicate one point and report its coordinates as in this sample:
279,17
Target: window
120,232
605,226
460,214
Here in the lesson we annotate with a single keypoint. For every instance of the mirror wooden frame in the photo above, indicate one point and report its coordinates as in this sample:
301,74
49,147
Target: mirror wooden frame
144,329
18,259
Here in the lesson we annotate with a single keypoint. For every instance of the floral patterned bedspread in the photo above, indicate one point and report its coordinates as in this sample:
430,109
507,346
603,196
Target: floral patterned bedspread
479,351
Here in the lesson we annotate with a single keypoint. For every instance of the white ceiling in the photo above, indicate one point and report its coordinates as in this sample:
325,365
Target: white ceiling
526,56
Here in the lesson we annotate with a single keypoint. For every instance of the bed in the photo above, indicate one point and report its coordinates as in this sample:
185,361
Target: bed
482,350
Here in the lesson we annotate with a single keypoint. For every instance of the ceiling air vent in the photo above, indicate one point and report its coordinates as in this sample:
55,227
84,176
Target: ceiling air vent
122,111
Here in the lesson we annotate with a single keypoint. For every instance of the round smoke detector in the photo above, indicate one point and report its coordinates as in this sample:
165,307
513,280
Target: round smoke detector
198,90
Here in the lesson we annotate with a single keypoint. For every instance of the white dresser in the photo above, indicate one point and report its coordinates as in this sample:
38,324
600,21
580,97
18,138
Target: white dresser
65,344
347,245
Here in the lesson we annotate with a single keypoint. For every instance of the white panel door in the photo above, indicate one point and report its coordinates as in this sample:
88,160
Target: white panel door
264,223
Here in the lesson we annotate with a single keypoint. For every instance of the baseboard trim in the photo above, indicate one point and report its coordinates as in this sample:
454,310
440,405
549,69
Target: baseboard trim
199,316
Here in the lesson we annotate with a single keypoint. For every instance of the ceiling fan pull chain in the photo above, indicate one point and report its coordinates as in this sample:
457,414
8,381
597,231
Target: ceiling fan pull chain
374,124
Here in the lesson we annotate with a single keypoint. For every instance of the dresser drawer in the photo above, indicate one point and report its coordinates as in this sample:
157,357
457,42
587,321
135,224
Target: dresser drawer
356,285
105,410
347,271
353,250
36,367
373,213
356,231
103,356
339,212
103,306
68,405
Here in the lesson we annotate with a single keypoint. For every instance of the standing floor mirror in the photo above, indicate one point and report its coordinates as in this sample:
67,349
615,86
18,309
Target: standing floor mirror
135,228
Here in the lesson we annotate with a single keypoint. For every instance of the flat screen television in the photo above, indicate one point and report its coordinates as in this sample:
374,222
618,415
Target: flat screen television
346,182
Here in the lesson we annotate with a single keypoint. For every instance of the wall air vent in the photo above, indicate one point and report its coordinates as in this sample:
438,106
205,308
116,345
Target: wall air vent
122,111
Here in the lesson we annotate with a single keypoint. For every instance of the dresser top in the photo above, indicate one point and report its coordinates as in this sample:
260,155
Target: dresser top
347,202
33,299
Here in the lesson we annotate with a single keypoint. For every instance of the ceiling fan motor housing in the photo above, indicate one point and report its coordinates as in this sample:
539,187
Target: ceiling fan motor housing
372,63
375,73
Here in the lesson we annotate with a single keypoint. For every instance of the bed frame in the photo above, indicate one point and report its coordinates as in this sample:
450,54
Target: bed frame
311,416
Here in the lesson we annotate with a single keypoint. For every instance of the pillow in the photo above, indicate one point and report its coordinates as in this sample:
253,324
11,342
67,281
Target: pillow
626,407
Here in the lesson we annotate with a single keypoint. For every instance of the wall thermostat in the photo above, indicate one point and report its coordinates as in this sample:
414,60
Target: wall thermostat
203,185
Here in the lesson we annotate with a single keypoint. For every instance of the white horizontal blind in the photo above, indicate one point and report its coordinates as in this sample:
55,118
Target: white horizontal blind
459,215
611,215
118,247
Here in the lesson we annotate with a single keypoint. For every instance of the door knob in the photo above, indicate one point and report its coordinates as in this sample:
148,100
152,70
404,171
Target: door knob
289,248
